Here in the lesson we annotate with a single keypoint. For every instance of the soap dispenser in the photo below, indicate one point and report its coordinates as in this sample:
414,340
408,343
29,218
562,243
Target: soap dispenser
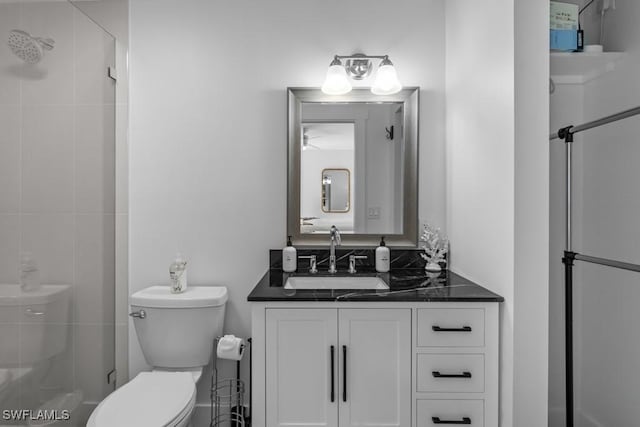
383,256
29,274
178,274
289,257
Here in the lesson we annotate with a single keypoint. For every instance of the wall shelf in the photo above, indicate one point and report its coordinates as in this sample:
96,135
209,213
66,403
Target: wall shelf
582,67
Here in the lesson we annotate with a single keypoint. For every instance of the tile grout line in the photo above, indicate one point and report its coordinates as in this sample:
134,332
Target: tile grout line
74,328
20,198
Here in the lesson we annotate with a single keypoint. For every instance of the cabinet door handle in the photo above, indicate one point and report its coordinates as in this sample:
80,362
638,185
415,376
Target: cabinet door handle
437,374
437,328
437,420
333,389
344,373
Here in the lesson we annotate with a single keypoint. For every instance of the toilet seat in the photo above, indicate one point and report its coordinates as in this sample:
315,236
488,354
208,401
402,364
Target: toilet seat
151,399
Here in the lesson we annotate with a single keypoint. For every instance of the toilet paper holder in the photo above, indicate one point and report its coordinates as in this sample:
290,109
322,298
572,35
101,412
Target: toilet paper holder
227,395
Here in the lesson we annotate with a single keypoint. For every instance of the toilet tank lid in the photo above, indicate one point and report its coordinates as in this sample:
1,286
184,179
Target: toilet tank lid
193,297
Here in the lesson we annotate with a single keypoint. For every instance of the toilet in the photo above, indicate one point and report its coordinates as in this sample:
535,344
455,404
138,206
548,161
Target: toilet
176,333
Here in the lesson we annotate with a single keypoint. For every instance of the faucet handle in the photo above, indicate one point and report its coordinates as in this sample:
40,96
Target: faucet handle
313,265
352,262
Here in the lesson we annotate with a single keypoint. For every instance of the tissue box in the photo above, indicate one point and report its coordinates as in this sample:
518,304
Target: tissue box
564,40
564,26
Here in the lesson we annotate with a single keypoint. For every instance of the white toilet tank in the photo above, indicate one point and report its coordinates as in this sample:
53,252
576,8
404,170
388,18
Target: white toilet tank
176,331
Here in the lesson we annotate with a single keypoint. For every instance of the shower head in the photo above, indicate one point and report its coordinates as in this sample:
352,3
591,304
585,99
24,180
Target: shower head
28,48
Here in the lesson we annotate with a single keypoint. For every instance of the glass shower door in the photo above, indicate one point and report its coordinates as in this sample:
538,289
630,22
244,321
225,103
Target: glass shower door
57,214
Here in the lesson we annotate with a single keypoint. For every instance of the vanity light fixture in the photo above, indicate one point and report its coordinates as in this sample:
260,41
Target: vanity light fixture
358,67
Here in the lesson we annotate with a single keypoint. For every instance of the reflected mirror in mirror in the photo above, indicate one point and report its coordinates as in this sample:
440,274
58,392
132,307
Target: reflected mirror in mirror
335,193
353,164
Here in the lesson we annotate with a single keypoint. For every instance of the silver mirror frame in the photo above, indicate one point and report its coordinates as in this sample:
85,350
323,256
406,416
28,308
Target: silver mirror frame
409,96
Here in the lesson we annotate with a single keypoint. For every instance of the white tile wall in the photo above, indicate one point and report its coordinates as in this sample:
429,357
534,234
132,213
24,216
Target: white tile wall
50,81
94,160
9,248
9,84
50,238
94,344
94,53
9,157
47,159
94,268
122,159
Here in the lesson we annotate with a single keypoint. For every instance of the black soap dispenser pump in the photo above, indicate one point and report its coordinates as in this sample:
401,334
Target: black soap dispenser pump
383,256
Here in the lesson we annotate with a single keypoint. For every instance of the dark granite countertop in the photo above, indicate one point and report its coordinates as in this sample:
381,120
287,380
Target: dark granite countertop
411,285
407,280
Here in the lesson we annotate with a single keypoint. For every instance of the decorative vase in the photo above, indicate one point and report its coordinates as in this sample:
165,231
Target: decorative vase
432,275
433,267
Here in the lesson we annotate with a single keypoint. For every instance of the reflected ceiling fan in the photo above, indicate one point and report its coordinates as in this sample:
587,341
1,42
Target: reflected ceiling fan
306,145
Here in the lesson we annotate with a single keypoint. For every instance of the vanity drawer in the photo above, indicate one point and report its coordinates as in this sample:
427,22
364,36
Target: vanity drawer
450,373
450,327
450,412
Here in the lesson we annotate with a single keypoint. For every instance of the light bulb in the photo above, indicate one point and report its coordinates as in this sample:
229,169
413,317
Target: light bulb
386,82
336,82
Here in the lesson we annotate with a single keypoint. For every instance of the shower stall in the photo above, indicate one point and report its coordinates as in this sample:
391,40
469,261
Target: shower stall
57,214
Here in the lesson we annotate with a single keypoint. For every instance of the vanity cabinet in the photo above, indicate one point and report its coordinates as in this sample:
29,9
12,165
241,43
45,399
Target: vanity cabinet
301,355
408,363
338,367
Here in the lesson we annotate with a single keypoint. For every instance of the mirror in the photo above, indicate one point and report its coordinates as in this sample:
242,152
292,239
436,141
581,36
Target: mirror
336,191
353,164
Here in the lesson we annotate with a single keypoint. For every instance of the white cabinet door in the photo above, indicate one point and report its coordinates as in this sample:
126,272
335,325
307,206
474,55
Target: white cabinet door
299,364
375,367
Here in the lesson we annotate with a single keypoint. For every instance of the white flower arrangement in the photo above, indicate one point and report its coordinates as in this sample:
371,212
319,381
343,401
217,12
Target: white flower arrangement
435,245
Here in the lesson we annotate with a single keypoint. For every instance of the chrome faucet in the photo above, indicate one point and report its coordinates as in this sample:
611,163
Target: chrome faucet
334,234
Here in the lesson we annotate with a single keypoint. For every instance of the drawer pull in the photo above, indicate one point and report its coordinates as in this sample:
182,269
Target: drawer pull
437,420
437,374
437,328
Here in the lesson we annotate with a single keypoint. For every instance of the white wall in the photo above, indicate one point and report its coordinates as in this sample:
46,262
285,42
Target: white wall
497,204
607,207
480,159
208,125
531,291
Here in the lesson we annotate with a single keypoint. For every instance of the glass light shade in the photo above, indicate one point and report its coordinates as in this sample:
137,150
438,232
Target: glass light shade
386,82
336,82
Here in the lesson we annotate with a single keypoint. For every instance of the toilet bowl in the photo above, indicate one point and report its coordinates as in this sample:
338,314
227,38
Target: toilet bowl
176,333
159,399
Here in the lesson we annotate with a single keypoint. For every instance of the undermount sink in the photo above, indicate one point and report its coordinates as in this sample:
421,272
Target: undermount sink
335,282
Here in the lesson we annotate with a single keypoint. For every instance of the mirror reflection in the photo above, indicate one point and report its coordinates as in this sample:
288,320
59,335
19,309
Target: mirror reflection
358,151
